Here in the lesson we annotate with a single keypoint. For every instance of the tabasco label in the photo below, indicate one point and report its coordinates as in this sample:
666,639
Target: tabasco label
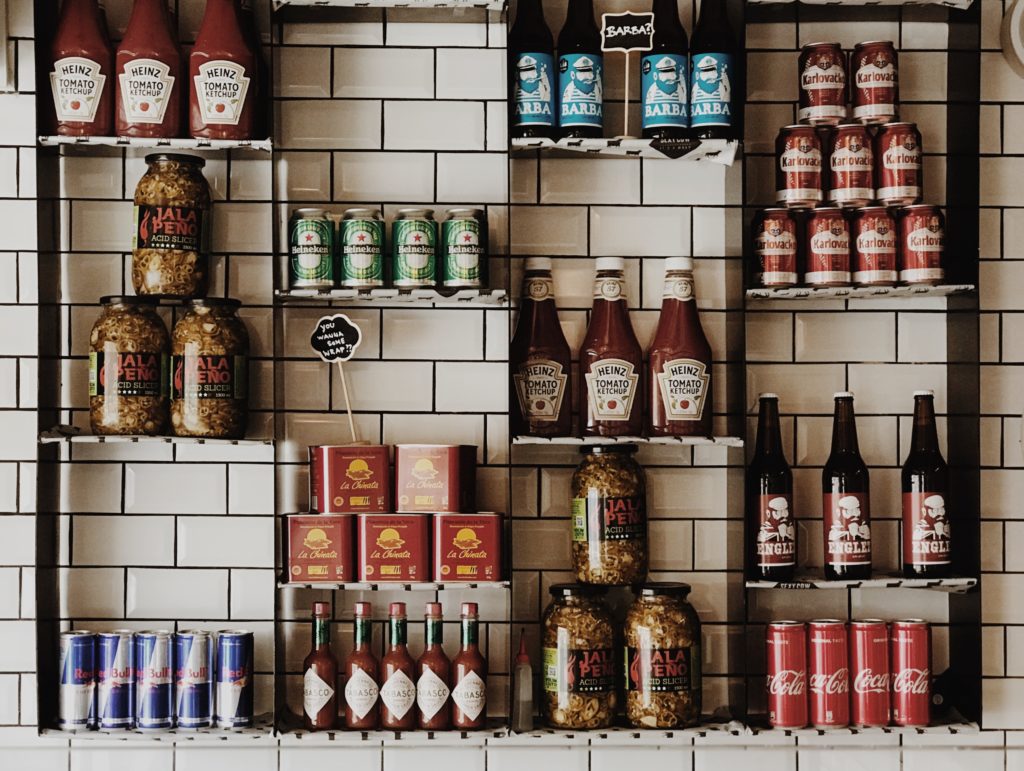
393,547
848,535
77,85
221,86
684,388
209,377
320,549
467,547
435,477
361,693
349,479
540,388
128,374
611,388
926,529
146,89
609,519
181,228
776,536
661,670
576,670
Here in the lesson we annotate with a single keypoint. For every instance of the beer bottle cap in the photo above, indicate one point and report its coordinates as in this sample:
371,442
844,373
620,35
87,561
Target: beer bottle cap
843,395
611,263
769,396
538,263
679,263
924,393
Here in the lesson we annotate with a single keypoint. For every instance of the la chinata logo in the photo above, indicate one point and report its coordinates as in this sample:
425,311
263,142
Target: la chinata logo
358,470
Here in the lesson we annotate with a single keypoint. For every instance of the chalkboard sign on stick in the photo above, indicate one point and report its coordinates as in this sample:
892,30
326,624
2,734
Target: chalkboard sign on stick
335,339
627,32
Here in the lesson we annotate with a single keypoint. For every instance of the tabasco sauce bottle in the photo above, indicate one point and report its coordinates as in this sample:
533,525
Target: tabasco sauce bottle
149,83
771,529
320,675
927,548
679,366
844,483
397,670
362,710
469,675
82,79
541,359
432,675
611,360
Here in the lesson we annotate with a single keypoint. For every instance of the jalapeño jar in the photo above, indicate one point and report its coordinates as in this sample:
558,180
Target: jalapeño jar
663,658
128,350
609,516
578,658
209,371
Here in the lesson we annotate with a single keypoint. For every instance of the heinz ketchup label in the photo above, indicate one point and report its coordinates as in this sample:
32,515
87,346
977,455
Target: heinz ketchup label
77,85
611,388
146,90
684,388
540,388
221,87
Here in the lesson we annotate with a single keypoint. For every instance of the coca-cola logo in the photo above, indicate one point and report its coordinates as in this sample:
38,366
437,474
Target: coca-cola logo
910,680
830,684
787,682
869,681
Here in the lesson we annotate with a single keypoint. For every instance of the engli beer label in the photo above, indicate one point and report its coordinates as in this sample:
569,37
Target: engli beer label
398,694
540,387
181,228
776,536
847,531
663,81
579,670
660,670
611,388
77,85
684,388
315,693
581,85
128,374
208,377
471,695
360,693
221,86
534,103
711,90
926,522
431,694
608,519
145,87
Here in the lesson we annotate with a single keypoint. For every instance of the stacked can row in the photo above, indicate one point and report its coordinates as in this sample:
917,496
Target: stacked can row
155,680
322,256
873,90
831,675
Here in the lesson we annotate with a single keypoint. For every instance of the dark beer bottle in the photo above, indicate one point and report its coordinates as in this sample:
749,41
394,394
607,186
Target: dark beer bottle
713,74
665,76
844,484
531,69
926,533
580,73
771,529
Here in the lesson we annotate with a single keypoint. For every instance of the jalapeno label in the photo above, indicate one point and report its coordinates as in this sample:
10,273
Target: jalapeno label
659,670
609,519
183,228
568,670
128,374
208,377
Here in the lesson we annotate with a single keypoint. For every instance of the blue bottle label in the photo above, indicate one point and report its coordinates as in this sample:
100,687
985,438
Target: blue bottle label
711,90
663,80
581,84
534,102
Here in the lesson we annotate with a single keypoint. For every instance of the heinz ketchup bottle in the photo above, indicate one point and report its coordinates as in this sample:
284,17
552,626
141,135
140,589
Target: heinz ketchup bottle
149,74
223,76
82,78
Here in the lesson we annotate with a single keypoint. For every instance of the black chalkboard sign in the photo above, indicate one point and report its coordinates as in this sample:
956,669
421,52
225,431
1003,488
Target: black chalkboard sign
627,32
335,338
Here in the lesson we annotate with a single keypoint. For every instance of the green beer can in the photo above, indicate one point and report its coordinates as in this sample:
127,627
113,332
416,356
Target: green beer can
464,241
414,249
311,249
361,243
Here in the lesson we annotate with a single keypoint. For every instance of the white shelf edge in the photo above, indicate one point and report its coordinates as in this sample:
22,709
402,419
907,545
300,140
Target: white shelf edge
301,737
941,728
857,292
474,297
73,435
721,151
801,583
262,732
264,145
367,586
694,441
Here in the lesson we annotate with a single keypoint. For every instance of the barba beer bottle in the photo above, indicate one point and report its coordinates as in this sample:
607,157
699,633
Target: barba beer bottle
665,76
926,534
532,72
844,486
713,69
580,73
771,529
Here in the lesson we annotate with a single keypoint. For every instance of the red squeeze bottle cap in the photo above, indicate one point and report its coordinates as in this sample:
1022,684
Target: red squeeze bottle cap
396,609
364,609
522,657
469,609
433,609
321,609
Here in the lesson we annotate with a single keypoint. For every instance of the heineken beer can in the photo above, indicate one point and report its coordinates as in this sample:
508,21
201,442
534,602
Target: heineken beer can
464,243
360,243
414,249
311,249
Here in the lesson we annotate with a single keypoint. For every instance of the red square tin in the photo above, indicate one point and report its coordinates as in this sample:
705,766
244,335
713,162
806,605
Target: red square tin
319,548
394,547
435,477
467,547
349,478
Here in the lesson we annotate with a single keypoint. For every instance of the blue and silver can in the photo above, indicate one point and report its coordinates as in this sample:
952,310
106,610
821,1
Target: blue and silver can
77,699
154,680
193,678
115,678
234,679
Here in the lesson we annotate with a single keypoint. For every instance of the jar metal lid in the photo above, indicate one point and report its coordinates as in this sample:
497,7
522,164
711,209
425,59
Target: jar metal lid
664,588
195,160
575,590
215,302
599,449
128,299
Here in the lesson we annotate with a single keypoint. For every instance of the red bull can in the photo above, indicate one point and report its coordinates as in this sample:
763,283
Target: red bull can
234,679
193,679
77,699
115,678
154,680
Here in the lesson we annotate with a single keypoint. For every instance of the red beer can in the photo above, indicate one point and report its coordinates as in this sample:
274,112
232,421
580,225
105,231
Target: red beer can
822,84
874,246
828,674
828,248
775,246
869,670
922,243
875,77
911,653
786,648
798,169
898,164
851,165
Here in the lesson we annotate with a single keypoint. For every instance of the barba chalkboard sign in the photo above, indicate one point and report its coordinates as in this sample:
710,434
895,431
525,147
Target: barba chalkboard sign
335,338
627,32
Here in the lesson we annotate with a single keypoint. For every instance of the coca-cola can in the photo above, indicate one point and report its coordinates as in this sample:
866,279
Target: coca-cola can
798,169
828,674
786,649
898,167
874,240
911,653
851,166
775,247
921,244
874,75
822,84
869,671
828,248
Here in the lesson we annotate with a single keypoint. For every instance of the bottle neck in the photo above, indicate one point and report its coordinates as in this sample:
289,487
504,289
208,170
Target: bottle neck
581,13
769,433
666,16
83,14
712,16
321,632
221,18
529,12
435,633
397,632
363,633
470,633
844,428
147,17
925,437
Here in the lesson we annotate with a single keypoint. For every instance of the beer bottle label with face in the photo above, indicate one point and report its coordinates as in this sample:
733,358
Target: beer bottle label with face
776,537
534,102
926,529
581,86
663,82
711,90
847,533
540,387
